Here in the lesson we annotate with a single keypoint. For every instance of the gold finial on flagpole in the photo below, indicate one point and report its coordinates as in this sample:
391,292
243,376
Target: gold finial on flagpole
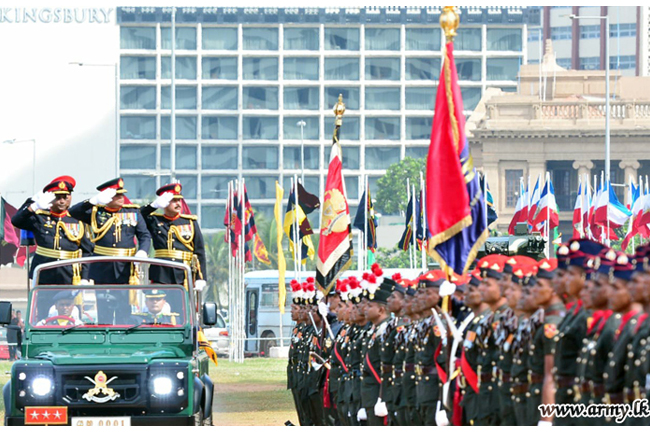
339,109
449,21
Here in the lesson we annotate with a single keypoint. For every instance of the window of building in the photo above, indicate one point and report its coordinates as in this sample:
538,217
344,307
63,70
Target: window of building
137,127
471,97
137,68
260,158
622,62
469,69
211,216
292,157
565,183
301,68
260,68
351,157
534,35
589,63
416,152
185,38
292,130
382,98
350,97
341,68
380,158
503,69
219,157
219,68
261,186
420,98
214,187
185,157
382,128
260,128
422,39
185,67
349,130
622,30
468,39
561,33
219,38
219,127
301,38
260,98
418,128
301,98
190,186
138,97
504,39
260,38
352,188
382,68
185,97
564,62
382,39
422,68
137,157
140,187
185,127
219,98
590,32
138,38
512,186
341,38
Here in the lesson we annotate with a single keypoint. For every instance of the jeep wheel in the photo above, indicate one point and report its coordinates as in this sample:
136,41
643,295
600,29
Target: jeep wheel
208,421
198,418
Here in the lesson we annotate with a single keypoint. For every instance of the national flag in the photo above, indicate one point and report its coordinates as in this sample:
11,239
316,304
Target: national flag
9,235
534,202
406,240
282,264
250,229
365,218
260,250
307,201
304,228
335,245
492,215
455,207
609,207
578,215
518,215
633,194
547,208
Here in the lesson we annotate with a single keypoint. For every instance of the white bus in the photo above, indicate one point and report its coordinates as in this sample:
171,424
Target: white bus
263,316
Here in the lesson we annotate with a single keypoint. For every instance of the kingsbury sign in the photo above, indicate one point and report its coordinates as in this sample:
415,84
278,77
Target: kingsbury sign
55,15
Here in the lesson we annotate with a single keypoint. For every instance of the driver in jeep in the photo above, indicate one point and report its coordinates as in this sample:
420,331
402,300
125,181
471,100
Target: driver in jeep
155,301
64,305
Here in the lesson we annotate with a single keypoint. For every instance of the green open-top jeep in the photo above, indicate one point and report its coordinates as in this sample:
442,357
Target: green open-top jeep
111,355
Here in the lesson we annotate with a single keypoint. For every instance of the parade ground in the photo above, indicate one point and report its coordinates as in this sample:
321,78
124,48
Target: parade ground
252,393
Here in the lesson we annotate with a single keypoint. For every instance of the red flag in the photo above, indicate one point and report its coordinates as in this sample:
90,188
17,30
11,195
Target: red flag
9,235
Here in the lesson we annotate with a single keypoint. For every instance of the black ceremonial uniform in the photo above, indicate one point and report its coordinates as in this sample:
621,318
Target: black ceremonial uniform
294,369
519,371
469,366
427,355
355,363
339,374
387,356
398,404
371,371
409,379
504,334
617,357
636,374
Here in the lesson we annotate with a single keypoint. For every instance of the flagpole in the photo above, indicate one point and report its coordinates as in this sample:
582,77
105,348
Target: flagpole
364,252
414,229
359,234
229,254
548,214
609,194
408,198
631,222
242,329
423,257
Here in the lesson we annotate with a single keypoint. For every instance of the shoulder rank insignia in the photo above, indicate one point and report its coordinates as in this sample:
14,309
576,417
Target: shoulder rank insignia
550,330
436,331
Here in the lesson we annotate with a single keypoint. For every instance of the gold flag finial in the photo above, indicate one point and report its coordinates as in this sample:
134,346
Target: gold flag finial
339,109
449,21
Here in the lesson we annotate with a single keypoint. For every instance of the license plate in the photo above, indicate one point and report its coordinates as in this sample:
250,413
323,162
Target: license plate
100,421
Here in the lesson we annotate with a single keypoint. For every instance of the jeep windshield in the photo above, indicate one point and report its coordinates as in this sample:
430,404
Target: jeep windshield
127,307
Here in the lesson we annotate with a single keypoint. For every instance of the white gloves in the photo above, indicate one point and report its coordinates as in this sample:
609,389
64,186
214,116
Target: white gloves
544,423
142,254
323,309
380,408
42,200
85,282
441,416
104,197
199,285
447,288
362,415
162,201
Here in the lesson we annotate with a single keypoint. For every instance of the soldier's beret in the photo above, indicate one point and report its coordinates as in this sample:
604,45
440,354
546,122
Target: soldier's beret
154,293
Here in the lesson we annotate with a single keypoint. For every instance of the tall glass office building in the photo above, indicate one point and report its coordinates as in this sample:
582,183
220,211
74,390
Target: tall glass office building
245,78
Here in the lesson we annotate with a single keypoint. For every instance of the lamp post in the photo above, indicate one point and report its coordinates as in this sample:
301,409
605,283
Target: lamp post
117,107
302,150
607,141
33,140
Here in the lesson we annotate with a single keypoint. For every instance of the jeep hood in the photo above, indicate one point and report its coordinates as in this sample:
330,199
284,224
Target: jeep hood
107,355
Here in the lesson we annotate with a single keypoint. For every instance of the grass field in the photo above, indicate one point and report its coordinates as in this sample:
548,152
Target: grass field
252,393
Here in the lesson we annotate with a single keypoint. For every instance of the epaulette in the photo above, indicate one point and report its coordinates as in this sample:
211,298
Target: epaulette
140,314
42,212
131,206
190,217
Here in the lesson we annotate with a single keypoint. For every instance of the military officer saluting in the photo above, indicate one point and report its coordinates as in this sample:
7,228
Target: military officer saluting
155,302
117,229
175,237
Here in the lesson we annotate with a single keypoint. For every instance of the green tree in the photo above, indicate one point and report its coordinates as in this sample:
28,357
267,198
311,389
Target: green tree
393,258
391,188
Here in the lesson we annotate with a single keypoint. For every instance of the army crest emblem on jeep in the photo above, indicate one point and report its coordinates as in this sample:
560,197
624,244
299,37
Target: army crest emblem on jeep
101,393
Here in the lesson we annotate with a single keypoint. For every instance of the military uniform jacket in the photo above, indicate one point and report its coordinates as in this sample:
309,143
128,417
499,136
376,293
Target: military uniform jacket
339,370
371,373
544,338
571,332
409,377
636,376
304,361
470,353
113,229
350,357
426,357
387,355
504,332
180,234
54,232
399,346
618,354
356,360
316,375
155,319
294,355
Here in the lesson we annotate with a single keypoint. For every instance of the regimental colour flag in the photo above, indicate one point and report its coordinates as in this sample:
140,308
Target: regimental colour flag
297,213
365,219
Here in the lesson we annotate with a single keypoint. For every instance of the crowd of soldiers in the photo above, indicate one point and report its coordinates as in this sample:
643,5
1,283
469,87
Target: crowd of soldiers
483,349
108,224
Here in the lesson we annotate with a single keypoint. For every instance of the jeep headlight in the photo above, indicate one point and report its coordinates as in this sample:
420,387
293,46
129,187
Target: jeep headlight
42,386
162,385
